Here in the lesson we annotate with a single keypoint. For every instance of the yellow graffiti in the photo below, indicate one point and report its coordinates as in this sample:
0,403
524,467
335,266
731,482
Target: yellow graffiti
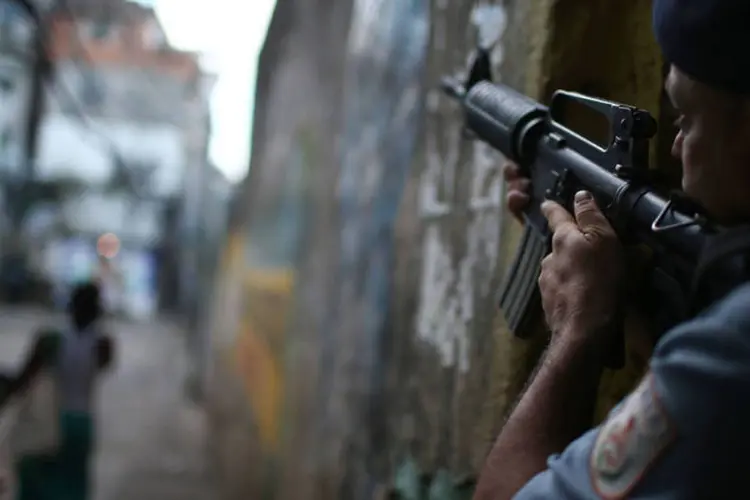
232,251
259,348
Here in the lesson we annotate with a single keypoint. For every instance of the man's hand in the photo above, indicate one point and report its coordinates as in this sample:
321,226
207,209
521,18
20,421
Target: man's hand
518,187
579,282
581,278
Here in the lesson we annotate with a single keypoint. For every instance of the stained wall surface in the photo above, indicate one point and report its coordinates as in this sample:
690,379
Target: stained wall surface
358,350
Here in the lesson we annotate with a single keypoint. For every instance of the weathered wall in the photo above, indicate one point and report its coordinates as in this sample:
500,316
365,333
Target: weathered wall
454,374
262,391
451,373
382,107
359,349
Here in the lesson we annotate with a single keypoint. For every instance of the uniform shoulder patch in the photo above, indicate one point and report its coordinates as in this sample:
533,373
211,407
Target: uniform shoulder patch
630,441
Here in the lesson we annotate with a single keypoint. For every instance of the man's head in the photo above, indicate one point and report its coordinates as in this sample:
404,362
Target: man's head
85,304
709,84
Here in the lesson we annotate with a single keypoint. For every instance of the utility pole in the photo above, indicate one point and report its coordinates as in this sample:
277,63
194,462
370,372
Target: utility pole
24,66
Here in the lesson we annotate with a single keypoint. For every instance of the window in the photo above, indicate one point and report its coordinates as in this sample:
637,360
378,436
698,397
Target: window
98,30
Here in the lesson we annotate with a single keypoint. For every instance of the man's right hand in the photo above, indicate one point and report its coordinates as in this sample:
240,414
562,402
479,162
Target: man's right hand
518,189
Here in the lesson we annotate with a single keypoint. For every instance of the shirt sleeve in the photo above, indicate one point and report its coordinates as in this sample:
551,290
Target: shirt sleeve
683,433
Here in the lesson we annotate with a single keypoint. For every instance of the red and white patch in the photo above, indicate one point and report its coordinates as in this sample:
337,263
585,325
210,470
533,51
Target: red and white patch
629,442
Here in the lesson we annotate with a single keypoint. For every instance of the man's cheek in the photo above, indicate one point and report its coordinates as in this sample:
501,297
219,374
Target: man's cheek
693,156
677,145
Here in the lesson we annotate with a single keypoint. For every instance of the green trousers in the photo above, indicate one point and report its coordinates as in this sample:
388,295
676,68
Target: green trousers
65,475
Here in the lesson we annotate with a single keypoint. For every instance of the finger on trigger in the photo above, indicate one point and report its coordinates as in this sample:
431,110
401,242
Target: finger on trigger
556,215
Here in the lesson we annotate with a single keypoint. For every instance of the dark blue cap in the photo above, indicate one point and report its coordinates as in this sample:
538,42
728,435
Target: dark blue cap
707,39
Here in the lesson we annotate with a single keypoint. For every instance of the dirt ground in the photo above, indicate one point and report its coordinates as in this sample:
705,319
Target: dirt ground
151,441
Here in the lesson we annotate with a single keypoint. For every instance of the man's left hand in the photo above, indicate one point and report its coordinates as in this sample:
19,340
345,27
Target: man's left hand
581,277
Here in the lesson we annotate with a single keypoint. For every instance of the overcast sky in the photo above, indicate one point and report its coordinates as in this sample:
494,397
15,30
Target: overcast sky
231,33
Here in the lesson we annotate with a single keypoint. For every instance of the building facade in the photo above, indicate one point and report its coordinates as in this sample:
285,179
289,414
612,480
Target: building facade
120,131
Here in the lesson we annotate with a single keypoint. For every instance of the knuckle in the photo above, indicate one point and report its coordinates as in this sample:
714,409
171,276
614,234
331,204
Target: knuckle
546,262
543,269
519,185
578,244
543,281
563,238
510,170
514,196
558,239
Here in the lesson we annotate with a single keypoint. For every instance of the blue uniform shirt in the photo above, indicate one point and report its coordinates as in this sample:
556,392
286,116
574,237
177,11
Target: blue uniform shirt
683,433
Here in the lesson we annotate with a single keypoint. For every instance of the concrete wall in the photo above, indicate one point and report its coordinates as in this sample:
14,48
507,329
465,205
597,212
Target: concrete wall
263,385
358,345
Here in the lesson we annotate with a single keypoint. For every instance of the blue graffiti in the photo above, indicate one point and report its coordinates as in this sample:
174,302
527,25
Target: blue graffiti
275,237
383,109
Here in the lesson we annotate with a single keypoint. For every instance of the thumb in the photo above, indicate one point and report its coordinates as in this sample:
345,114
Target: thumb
590,219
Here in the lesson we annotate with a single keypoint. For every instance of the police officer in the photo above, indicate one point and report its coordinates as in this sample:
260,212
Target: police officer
684,432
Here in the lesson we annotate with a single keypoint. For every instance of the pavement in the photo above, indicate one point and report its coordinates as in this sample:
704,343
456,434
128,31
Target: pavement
151,441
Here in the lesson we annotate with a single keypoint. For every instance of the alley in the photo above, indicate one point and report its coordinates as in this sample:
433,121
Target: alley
150,439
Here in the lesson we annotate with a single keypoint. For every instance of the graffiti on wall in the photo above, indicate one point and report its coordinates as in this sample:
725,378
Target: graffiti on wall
382,116
258,357
269,256
449,287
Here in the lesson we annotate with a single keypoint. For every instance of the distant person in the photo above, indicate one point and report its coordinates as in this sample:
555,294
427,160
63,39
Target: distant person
110,281
77,355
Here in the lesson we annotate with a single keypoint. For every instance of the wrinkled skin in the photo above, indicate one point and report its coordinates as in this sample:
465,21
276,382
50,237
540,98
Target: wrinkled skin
580,277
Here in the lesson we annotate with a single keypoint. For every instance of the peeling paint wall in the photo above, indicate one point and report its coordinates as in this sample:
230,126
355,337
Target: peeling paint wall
382,109
453,367
364,354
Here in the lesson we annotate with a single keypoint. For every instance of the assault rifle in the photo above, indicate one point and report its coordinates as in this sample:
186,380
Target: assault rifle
560,162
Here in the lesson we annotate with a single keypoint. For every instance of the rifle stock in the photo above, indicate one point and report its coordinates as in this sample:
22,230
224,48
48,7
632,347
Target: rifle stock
559,162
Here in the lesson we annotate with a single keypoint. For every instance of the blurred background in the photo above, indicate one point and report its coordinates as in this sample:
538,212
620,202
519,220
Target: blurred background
124,129
298,248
